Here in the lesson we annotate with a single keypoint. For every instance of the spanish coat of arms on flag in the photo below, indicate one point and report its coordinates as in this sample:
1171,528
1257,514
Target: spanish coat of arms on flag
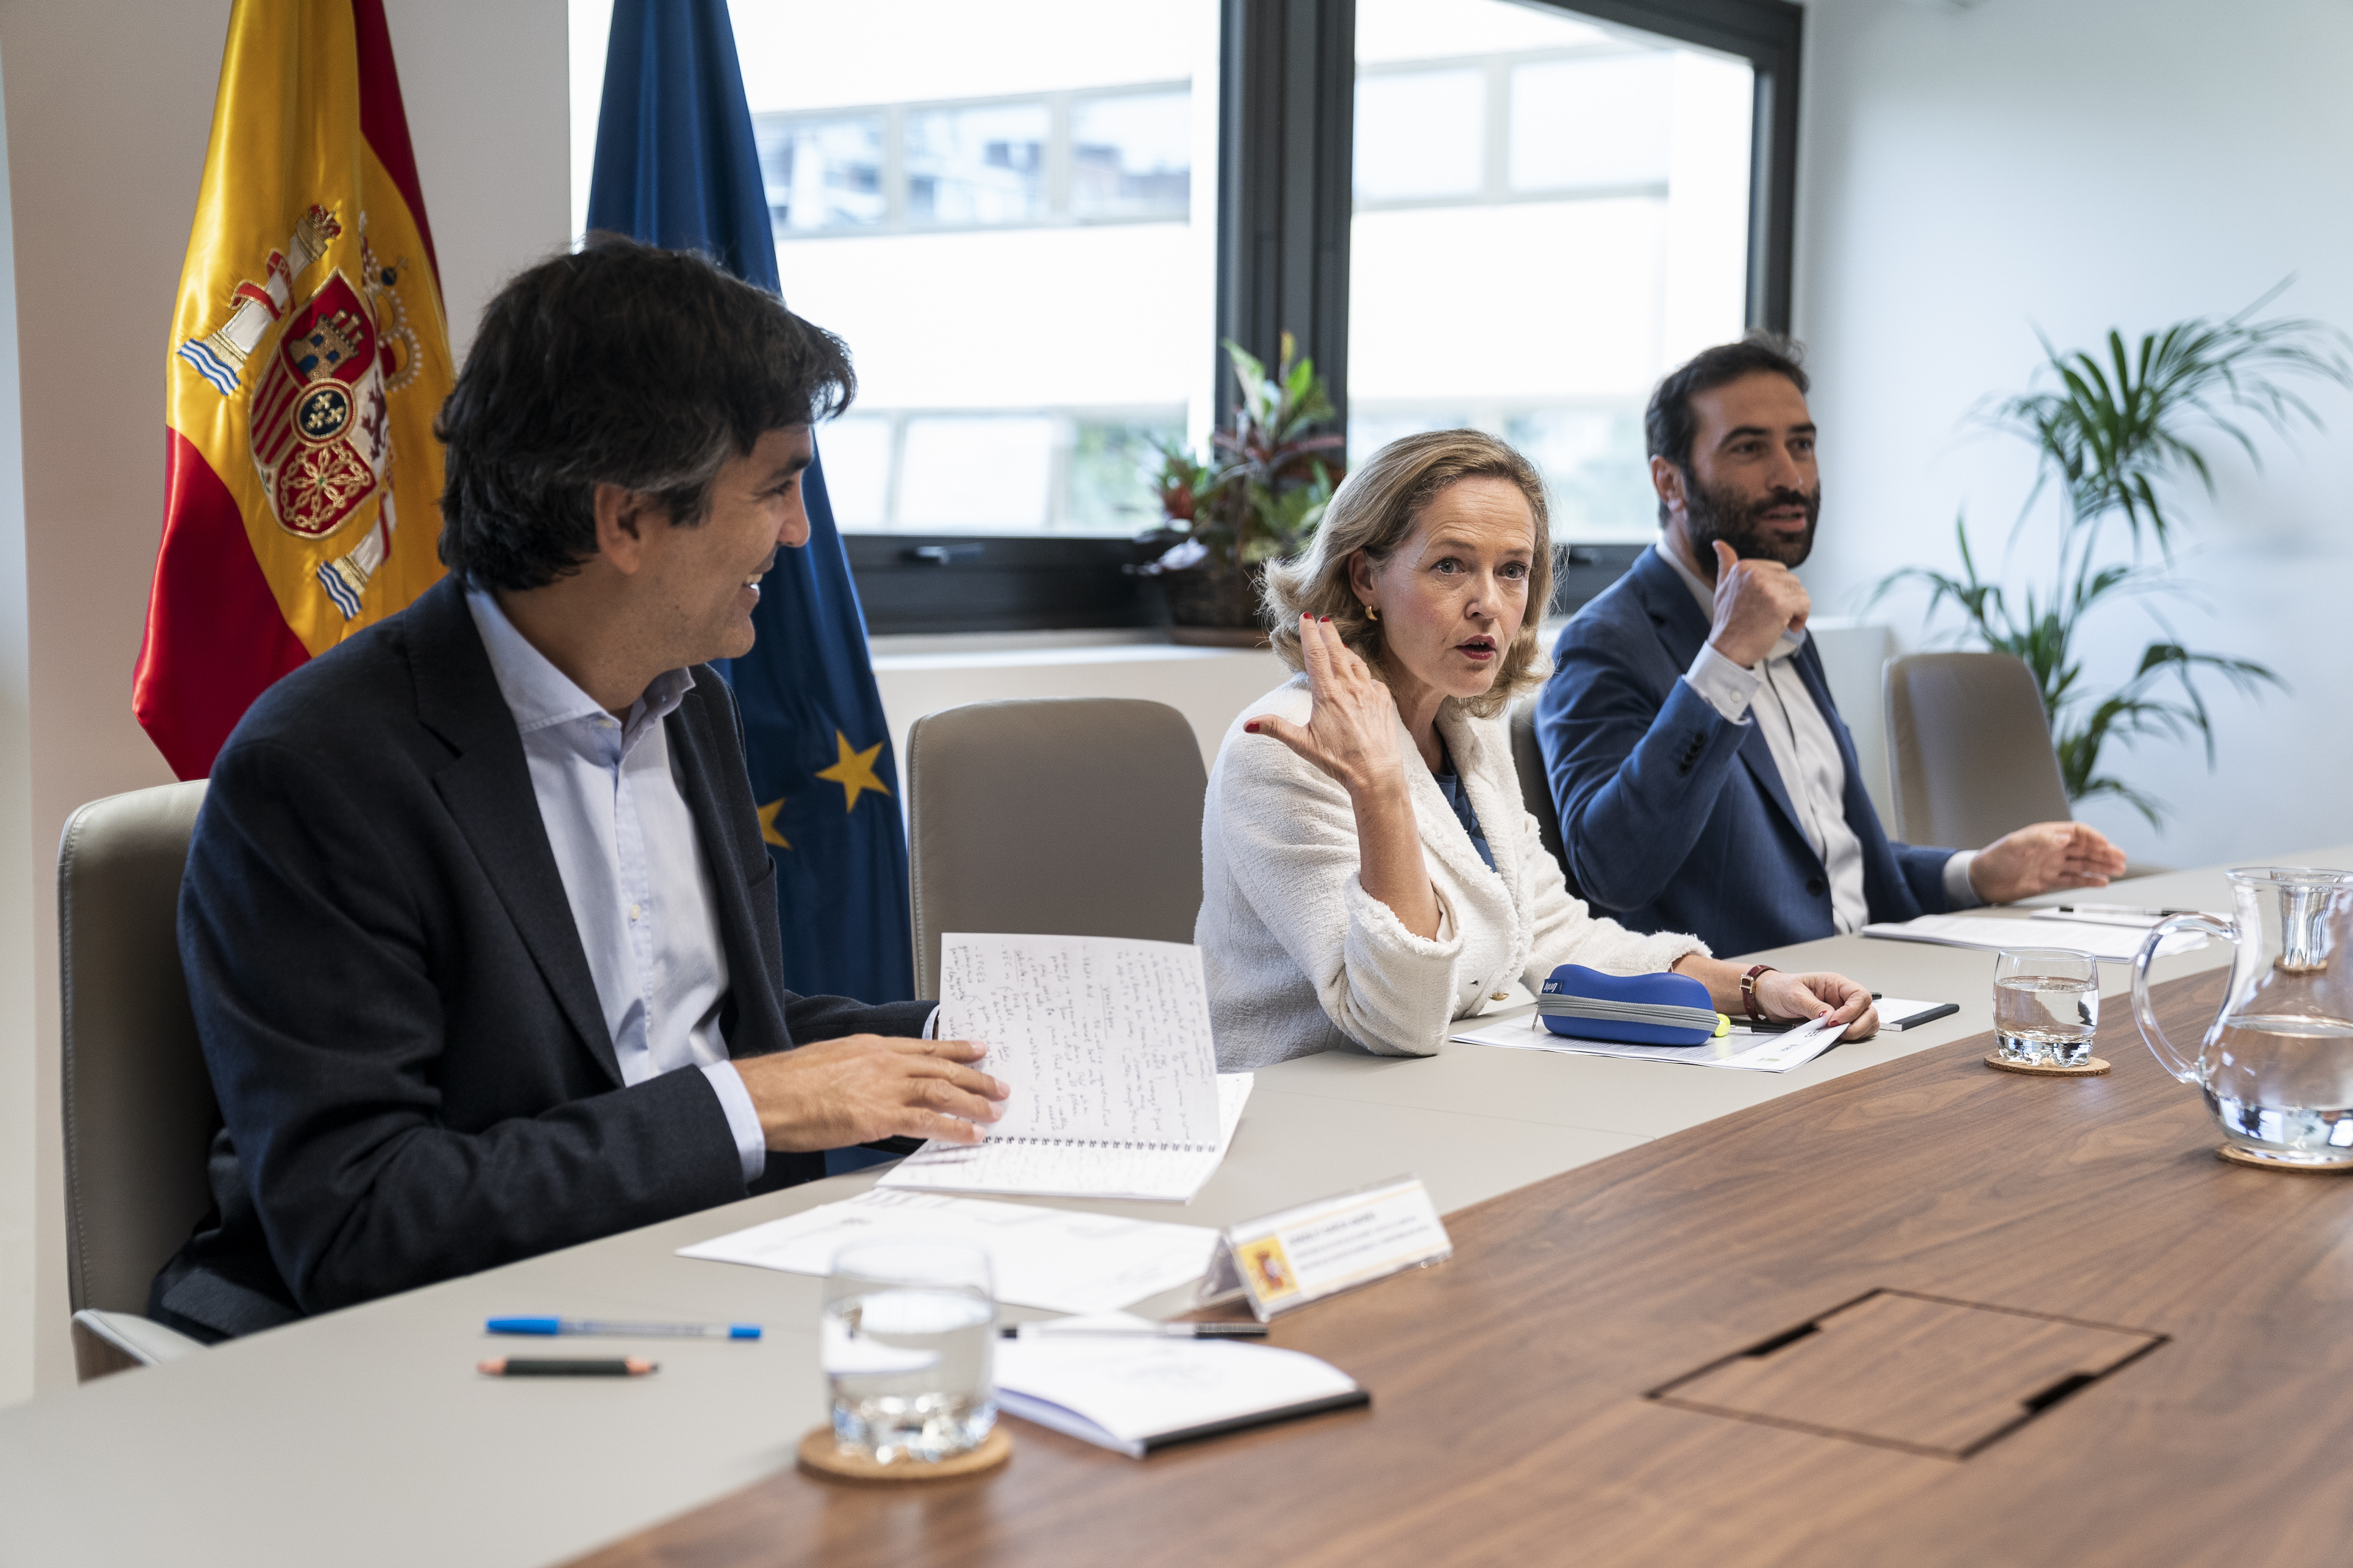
308,358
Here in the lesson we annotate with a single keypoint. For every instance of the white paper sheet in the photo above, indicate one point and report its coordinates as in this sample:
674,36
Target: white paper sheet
2111,943
1041,1168
1051,1258
1100,1040
1745,1053
1894,1014
1121,1394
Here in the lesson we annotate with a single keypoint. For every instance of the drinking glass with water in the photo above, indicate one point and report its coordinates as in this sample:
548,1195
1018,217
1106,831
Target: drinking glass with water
907,1343
2046,1006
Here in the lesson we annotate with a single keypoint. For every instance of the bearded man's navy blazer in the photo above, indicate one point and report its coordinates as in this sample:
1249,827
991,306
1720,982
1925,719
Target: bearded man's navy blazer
1674,817
415,1077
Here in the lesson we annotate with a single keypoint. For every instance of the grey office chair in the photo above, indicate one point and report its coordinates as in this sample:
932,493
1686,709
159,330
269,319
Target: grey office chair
1055,815
1969,748
1535,787
138,1110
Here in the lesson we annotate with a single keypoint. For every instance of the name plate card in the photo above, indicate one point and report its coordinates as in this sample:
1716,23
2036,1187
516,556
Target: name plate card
1319,1249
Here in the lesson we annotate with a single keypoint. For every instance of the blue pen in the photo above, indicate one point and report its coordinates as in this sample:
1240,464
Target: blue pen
632,1330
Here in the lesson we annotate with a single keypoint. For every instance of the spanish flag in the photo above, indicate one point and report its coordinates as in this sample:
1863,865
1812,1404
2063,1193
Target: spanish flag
307,359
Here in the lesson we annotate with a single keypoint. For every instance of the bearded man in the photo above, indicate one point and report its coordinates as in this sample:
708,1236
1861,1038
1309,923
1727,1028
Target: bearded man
1704,779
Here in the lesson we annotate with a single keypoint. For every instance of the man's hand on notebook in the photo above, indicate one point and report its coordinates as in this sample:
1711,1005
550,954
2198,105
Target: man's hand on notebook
859,1087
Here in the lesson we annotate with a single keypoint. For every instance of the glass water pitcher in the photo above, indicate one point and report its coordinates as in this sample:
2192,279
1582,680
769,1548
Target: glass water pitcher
2276,1063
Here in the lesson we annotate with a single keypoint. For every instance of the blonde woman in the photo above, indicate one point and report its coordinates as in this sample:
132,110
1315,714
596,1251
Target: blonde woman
1369,874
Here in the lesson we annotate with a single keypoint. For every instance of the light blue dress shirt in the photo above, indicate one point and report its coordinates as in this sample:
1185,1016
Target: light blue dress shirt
632,866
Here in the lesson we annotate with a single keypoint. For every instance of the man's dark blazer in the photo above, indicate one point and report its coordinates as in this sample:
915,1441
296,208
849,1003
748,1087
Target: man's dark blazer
415,1077
1674,817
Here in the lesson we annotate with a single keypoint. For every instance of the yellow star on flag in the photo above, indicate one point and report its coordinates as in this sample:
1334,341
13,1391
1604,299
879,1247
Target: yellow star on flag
854,771
768,834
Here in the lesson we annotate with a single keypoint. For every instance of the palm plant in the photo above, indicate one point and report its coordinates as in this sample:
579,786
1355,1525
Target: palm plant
1257,498
2115,438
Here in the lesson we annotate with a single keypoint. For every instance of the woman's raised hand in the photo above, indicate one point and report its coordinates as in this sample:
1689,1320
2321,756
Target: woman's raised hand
1351,730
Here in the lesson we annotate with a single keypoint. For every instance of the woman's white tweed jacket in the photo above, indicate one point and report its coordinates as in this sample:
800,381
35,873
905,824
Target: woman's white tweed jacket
1300,959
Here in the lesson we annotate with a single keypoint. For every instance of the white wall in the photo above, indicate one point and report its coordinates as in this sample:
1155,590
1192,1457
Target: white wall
919,675
108,106
1968,176
19,1055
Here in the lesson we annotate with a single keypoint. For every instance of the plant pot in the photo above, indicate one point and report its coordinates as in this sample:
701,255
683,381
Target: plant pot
1217,598
1218,636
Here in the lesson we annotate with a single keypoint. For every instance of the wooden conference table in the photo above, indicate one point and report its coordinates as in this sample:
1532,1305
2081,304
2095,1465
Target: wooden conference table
1968,1245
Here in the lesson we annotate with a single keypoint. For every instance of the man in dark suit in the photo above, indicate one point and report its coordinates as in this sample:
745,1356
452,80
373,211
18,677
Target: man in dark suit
477,923
1704,779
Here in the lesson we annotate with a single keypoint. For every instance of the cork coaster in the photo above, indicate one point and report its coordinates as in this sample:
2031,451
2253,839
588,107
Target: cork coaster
821,1456
2256,1162
2092,1067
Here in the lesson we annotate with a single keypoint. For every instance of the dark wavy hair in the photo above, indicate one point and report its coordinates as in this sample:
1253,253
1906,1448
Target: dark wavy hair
1668,425
617,363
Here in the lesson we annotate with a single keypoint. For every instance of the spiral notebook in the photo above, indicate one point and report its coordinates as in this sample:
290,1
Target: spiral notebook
1105,1044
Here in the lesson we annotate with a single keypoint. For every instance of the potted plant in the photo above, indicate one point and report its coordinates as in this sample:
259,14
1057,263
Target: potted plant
2115,437
1257,498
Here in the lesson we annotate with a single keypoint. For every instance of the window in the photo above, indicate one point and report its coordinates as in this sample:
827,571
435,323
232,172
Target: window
996,206
1033,221
1548,213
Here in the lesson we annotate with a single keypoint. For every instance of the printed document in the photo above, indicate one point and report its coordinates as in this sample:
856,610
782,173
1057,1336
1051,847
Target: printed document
1050,1258
1777,1053
2111,943
1106,1044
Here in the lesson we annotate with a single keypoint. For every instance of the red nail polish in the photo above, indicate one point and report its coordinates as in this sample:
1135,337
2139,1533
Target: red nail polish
1249,728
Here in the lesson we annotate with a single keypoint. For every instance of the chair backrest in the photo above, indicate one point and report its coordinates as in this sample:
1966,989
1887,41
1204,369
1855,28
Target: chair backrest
1536,786
1969,748
1053,816
138,1110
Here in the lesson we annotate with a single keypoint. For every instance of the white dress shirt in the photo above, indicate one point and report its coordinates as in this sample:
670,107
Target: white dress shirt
632,866
1805,753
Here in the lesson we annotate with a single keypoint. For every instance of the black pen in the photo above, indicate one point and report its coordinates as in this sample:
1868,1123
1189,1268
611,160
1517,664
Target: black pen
554,1366
2122,909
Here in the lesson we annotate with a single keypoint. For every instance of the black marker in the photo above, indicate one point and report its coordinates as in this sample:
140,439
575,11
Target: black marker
553,1366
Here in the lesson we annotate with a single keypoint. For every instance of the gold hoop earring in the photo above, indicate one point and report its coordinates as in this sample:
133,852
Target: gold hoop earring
1372,611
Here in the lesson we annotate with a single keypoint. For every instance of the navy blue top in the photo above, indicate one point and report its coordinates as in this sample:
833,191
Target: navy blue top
1459,798
1675,818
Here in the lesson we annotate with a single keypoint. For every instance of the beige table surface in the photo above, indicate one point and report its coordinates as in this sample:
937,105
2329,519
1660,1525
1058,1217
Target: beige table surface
364,1437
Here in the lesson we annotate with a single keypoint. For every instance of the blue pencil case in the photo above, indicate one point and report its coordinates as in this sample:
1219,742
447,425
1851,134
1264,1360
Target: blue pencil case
1663,1009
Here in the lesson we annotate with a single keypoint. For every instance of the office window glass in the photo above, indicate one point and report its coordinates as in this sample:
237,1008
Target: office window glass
1013,226
1550,213
1420,134
1132,155
823,173
984,164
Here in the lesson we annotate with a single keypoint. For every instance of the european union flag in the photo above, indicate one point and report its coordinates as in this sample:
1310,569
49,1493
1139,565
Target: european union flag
677,166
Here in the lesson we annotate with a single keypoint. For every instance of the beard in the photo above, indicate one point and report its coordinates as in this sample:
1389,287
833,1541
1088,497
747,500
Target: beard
1723,513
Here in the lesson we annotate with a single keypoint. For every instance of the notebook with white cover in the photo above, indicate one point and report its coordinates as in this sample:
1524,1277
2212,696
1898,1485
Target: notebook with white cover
1134,1396
1106,1044
1050,1168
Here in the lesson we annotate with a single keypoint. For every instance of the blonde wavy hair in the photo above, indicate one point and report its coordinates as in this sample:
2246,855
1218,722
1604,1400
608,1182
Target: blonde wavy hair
1375,512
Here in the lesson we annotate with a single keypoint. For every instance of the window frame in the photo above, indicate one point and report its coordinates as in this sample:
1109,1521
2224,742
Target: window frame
1286,117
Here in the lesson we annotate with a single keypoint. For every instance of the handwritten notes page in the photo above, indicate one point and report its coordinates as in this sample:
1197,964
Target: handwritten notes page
1044,1168
1106,1045
1103,1040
